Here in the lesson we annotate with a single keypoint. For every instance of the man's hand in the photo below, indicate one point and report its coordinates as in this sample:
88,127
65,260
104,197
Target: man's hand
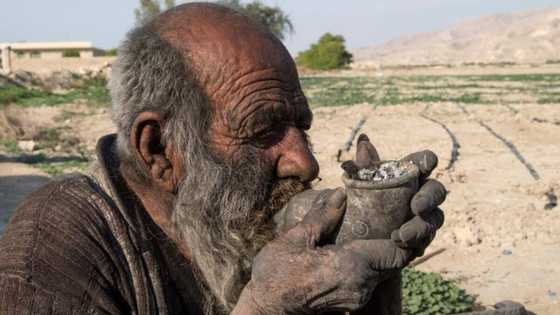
297,274
416,234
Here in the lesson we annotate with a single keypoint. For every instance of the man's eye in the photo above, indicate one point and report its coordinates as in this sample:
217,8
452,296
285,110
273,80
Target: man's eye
269,137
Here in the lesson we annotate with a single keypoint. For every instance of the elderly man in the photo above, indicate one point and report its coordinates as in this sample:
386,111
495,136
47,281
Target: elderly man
176,216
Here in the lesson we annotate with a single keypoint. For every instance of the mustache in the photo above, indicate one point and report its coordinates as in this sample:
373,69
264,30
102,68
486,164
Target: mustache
260,220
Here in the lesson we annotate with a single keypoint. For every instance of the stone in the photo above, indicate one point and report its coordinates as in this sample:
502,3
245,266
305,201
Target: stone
27,145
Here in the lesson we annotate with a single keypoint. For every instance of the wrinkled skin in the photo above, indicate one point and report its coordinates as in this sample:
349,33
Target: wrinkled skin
253,88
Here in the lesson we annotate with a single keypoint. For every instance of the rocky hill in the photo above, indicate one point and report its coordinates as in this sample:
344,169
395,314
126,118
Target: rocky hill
525,37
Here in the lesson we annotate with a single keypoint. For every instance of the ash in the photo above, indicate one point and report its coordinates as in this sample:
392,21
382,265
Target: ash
385,171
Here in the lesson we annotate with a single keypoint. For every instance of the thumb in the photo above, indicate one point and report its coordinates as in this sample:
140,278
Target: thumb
321,221
366,154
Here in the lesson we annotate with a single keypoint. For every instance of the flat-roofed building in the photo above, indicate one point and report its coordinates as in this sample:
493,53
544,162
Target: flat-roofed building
19,52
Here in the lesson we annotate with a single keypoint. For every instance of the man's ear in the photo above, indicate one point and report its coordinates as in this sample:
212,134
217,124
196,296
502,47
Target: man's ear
160,161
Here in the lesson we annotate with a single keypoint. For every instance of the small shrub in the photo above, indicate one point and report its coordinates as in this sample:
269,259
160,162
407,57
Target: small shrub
10,146
111,52
429,294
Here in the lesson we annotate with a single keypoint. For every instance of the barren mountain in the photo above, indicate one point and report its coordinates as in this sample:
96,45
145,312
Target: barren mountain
526,37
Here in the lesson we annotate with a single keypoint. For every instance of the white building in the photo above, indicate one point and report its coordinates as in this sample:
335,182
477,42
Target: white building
45,50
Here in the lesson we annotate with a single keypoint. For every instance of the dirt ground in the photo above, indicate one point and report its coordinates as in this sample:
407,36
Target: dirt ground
498,163
499,242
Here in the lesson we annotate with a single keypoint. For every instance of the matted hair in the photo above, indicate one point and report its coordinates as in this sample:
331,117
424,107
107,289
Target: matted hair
152,75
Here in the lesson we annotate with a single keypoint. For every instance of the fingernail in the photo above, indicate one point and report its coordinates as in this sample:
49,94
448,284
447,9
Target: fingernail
428,162
337,199
350,168
420,204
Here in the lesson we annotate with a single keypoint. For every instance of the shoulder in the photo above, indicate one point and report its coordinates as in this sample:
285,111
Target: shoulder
58,238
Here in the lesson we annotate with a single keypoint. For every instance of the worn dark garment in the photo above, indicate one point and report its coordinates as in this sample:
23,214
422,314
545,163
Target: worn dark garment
77,246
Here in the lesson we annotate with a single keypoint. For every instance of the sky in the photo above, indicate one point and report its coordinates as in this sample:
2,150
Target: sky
361,22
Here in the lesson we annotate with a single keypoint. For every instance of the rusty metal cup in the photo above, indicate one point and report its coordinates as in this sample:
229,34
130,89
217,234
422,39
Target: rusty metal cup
374,209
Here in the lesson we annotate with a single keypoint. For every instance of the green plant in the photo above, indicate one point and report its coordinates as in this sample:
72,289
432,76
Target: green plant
515,77
429,294
12,94
273,18
60,168
549,100
10,145
468,98
94,92
148,9
327,54
111,52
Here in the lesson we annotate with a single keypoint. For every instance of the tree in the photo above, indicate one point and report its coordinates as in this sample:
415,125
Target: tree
111,52
329,53
273,18
149,9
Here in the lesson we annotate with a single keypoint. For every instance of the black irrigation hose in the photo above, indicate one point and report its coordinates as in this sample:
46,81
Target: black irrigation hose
454,142
511,109
513,150
546,121
508,144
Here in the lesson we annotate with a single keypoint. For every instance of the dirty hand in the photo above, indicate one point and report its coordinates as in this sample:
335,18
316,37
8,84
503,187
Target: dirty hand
299,272
417,233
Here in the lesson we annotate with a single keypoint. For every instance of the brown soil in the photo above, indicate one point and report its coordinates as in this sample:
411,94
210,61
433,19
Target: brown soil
499,242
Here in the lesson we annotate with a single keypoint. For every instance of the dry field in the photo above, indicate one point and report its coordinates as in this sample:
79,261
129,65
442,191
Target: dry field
497,138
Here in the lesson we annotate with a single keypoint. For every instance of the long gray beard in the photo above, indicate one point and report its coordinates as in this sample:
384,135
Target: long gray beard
224,214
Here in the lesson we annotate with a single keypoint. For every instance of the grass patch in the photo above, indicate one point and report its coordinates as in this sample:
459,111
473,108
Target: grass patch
93,92
55,166
448,86
428,293
466,89
13,94
332,91
393,98
549,100
515,77
468,98
10,146
60,168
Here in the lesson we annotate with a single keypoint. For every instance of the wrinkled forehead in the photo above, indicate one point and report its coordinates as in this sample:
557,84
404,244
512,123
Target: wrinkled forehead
225,47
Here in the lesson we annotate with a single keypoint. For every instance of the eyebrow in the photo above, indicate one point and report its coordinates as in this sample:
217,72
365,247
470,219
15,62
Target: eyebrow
267,112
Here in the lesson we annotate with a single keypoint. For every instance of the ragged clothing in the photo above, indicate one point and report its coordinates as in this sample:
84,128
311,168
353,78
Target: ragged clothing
82,245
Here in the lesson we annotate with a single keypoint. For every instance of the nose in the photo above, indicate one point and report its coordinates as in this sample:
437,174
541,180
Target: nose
296,158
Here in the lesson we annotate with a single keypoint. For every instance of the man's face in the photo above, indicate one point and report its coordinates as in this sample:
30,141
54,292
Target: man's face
258,156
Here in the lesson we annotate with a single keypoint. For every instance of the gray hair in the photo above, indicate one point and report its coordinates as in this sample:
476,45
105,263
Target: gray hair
152,75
